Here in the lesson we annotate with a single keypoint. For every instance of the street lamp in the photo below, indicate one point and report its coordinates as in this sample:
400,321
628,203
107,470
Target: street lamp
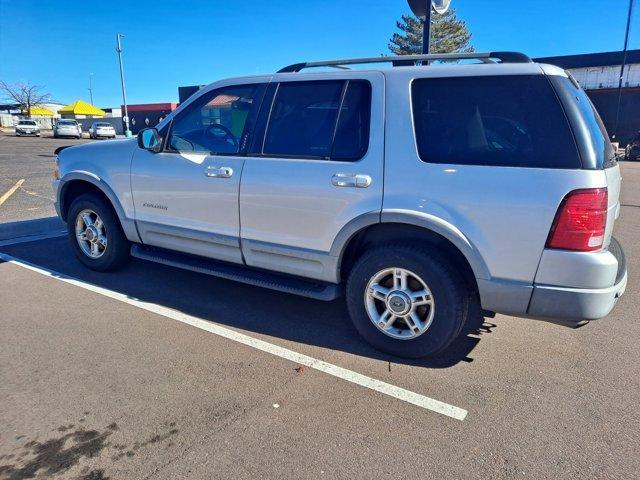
422,8
127,132
91,87
624,63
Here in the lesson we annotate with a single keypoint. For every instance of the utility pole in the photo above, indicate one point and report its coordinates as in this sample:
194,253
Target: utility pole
426,28
127,132
91,87
624,64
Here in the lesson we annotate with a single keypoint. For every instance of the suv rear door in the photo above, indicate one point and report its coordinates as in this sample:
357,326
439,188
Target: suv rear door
316,165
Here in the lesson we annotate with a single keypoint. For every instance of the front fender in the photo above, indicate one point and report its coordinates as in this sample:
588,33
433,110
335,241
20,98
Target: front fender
128,225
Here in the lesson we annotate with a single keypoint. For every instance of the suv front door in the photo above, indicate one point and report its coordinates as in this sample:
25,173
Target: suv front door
186,196
316,165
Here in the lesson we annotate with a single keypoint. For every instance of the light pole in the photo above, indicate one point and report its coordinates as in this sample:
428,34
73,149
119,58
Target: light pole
426,28
127,132
624,63
91,87
423,8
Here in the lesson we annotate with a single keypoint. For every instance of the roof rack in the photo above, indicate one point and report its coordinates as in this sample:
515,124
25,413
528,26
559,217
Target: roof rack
404,60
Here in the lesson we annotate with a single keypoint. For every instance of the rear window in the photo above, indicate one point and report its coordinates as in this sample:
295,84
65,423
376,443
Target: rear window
505,121
103,124
67,122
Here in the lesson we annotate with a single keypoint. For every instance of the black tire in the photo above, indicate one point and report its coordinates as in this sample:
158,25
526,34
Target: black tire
116,254
449,290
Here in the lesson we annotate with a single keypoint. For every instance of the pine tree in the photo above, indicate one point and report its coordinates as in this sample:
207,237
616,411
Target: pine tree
448,35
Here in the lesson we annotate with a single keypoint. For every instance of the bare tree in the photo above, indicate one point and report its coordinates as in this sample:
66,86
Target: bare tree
24,95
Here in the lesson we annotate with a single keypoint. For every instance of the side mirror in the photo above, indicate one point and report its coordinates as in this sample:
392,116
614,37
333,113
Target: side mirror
150,139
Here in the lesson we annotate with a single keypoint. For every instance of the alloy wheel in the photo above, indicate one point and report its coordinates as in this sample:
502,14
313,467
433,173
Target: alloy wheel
399,303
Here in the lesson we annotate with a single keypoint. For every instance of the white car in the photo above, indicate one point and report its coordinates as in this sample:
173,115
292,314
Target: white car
27,127
102,130
67,128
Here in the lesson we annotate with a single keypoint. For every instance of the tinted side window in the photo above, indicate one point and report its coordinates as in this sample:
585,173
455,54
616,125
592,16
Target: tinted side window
352,133
509,121
303,119
593,139
217,122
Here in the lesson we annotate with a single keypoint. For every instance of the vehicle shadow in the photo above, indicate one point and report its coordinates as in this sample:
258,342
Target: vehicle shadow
267,312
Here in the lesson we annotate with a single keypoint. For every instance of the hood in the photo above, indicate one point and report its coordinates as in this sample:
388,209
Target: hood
97,158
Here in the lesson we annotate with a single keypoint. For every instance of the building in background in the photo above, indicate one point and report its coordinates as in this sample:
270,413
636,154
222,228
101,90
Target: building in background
146,115
112,112
186,92
599,74
45,114
80,109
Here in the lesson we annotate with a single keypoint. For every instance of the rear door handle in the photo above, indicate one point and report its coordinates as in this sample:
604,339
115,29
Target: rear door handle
218,172
351,180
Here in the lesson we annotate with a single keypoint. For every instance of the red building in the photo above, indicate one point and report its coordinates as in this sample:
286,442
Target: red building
145,115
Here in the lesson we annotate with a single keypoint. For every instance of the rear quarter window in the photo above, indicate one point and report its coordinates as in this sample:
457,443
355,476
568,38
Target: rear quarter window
504,121
592,137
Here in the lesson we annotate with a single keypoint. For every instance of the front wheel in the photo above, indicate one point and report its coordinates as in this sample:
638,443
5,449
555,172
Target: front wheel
95,234
406,301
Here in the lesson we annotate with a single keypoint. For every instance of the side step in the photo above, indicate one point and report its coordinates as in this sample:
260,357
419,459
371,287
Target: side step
274,281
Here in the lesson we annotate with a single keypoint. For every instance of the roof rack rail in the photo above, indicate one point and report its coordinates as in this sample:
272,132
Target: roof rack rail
402,60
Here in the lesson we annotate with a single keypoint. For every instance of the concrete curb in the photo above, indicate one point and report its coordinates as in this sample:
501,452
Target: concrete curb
26,228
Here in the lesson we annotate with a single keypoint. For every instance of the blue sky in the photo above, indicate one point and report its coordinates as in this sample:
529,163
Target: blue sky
168,43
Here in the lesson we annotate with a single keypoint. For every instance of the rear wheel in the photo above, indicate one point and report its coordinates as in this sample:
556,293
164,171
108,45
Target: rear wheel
406,301
95,234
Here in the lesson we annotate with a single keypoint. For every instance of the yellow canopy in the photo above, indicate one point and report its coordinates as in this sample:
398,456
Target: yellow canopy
43,112
82,108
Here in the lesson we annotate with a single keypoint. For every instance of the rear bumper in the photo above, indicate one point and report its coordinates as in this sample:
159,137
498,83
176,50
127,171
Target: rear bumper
570,287
572,306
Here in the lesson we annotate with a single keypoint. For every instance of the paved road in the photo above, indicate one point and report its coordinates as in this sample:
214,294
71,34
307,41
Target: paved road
29,159
93,387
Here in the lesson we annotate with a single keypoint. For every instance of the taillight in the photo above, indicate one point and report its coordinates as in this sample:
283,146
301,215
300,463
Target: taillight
580,221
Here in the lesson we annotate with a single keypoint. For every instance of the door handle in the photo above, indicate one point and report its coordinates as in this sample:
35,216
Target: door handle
351,180
218,172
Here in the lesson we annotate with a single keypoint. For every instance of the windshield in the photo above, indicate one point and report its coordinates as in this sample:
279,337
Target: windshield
26,122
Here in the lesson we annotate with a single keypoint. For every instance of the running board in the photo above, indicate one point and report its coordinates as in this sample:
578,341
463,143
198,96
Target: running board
259,278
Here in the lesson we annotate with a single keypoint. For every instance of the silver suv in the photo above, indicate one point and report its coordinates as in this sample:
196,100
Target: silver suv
415,191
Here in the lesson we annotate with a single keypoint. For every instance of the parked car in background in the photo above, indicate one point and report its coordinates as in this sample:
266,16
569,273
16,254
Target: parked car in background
27,127
102,130
632,152
67,128
421,193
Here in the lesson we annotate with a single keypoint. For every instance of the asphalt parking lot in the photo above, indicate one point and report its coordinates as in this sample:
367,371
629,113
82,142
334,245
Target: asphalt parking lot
154,372
28,163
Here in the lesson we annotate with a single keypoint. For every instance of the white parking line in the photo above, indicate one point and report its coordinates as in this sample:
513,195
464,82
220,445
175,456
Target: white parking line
298,358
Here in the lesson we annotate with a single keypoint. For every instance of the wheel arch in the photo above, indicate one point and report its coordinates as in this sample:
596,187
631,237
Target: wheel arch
74,184
413,228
